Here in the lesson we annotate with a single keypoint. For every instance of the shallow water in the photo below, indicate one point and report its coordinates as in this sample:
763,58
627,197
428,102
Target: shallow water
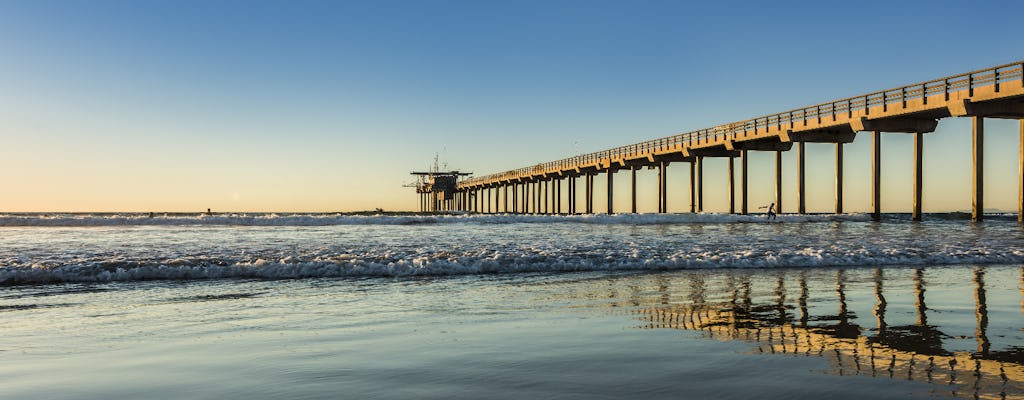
655,310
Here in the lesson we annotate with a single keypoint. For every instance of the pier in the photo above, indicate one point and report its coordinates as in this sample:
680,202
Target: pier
916,109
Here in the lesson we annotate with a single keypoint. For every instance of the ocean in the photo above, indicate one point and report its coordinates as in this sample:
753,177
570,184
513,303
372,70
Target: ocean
313,306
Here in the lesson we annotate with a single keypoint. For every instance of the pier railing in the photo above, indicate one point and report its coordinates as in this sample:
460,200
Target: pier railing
994,76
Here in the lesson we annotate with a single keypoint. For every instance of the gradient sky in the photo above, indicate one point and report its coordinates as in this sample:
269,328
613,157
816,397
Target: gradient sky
328,105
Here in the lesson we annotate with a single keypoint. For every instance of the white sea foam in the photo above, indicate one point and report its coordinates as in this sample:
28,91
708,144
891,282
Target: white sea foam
421,245
395,264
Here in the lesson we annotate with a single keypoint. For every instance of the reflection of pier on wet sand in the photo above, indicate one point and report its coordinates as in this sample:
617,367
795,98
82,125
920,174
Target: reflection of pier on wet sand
913,352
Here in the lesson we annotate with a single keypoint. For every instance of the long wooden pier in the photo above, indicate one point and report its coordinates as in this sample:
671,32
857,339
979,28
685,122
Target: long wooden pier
996,92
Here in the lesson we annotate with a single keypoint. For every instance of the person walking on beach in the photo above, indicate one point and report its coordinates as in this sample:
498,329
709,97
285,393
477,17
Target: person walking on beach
771,211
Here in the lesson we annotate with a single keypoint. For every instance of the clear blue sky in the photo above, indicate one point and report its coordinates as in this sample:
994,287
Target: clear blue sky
327,105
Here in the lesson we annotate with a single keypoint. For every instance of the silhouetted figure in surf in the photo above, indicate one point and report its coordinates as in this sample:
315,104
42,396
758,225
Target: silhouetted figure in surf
208,212
771,211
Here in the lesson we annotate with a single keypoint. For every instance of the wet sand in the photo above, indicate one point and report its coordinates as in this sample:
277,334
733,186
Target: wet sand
795,333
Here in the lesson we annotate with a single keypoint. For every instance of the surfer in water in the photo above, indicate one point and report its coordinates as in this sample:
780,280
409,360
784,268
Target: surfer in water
771,211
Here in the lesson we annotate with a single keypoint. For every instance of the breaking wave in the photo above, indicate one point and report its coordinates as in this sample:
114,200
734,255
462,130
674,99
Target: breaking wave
515,260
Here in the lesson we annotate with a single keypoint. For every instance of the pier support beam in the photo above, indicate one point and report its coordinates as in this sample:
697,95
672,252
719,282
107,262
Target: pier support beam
664,186
551,195
531,204
590,193
918,171
611,191
632,171
778,181
876,175
801,190
977,163
839,178
558,195
732,187
532,201
546,194
572,195
515,198
524,198
700,184
693,187
539,197
743,182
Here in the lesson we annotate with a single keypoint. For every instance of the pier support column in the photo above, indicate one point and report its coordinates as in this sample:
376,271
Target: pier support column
611,192
574,202
546,195
515,198
542,192
505,197
700,184
540,197
1020,175
801,191
693,188
530,203
918,171
558,196
572,195
778,181
664,186
590,195
732,187
663,196
743,182
632,171
839,178
660,187
876,175
977,164
549,196
528,197
522,198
